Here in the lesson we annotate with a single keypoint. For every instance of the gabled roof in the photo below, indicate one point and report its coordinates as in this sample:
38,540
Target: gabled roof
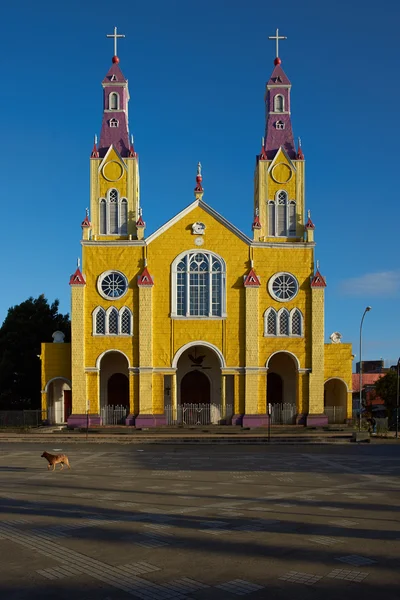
77,278
145,279
207,209
278,77
110,149
114,75
251,280
318,280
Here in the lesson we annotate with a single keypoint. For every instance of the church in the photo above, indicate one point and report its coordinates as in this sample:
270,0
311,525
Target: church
197,323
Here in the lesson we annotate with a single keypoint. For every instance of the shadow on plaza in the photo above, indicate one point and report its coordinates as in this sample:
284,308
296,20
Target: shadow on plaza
327,588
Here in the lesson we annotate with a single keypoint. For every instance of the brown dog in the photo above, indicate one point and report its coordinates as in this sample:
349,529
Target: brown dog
53,459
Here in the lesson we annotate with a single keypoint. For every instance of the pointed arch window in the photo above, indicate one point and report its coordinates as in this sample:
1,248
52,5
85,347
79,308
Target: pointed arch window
198,285
281,216
112,321
103,216
123,222
99,325
283,322
279,103
113,101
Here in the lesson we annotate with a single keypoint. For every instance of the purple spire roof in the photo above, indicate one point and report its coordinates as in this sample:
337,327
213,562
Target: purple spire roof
278,127
114,129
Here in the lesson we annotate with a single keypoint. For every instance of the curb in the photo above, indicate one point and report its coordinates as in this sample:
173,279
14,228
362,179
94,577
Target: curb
183,441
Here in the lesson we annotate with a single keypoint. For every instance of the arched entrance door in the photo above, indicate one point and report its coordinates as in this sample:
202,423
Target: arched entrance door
274,388
335,400
59,400
118,390
195,388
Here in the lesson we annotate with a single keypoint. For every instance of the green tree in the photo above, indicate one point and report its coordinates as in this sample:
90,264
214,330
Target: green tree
25,327
386,388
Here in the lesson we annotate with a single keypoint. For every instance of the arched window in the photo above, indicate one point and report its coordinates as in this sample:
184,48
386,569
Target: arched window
113,122
270,322
113,101
113,210
123,222
271,218
125,321
281,226
296,321
279,103
198,285
281,215
283,316
112,321
103,216
99,321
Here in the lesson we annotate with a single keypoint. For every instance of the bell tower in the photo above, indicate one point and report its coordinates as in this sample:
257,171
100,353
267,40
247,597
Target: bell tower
279,174
114,170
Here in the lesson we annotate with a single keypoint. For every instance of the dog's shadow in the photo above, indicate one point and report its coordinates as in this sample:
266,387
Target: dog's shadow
13,468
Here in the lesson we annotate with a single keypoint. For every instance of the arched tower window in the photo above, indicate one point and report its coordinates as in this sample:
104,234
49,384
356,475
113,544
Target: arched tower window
281,226
99,321
292,218
125,321
198,285
271,218
279,103
113,101
270,322
123,222
113,210
283,317
112,321
296,322
103,216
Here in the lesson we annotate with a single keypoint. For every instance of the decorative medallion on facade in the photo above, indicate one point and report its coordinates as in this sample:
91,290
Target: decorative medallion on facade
281,173
198,228
283,287
112,170
336,337
112,284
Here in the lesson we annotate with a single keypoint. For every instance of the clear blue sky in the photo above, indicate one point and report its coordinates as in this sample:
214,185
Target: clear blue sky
197,74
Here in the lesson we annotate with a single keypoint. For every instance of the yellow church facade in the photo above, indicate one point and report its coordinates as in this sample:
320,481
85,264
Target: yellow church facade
197,322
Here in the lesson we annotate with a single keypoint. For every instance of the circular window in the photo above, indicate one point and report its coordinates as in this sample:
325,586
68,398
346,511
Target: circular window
112,284
283,286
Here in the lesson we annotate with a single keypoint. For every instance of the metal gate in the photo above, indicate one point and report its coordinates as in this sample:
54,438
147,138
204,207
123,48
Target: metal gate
283,414
198,414
113,415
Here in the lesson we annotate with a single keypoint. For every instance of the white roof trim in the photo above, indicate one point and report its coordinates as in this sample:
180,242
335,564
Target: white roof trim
103,162
210,211
275,159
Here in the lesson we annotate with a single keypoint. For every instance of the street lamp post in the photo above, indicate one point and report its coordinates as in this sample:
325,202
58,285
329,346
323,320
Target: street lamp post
368,308
397,399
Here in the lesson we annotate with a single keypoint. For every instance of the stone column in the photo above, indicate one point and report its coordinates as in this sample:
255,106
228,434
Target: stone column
316,414
252,417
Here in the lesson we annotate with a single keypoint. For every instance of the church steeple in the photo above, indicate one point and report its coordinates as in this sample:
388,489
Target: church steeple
115,204
278,127
114,130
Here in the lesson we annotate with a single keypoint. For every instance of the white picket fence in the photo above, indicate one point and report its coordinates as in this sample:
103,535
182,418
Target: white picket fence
199,414
113,415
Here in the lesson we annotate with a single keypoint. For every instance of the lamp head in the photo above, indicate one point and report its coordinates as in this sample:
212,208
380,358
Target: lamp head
368,308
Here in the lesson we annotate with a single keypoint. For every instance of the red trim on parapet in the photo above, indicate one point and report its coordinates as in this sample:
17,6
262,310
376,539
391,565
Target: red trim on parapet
77,278
86,222
318,280
95,152
145,279
256,223
251,280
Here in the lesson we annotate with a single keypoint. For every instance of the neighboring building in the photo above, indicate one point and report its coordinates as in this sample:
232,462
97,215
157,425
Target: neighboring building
197,312
371,366
371,401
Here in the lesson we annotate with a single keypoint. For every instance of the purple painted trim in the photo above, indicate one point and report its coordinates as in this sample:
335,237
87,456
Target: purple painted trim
130,420
150,421
75,421
237,420
255,420
301,419
316,420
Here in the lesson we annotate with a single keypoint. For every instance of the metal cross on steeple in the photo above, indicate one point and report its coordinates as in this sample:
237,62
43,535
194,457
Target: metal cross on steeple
115,35
277,37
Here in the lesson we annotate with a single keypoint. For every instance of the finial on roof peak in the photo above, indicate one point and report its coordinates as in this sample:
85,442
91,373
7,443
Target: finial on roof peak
115,35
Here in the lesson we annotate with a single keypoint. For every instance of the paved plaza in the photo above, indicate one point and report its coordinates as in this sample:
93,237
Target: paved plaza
218,522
